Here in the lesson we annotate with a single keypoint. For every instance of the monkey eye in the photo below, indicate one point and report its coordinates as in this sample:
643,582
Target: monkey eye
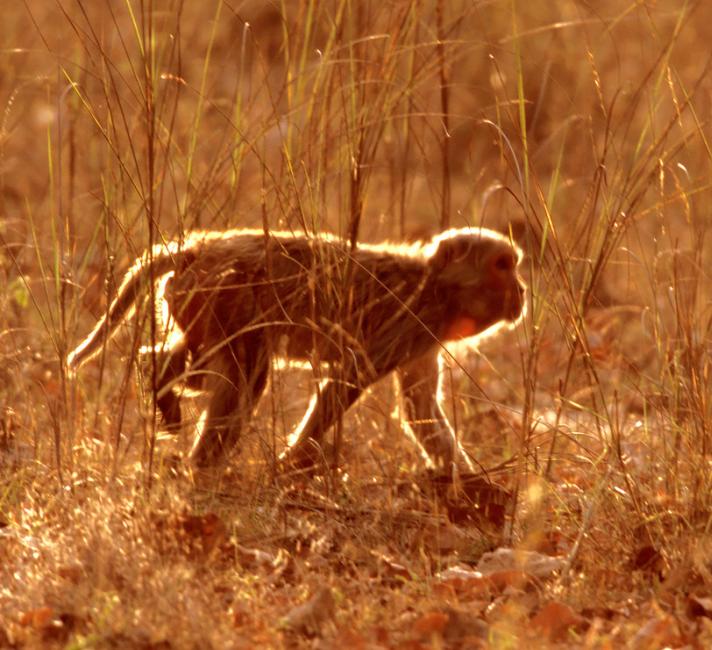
504,262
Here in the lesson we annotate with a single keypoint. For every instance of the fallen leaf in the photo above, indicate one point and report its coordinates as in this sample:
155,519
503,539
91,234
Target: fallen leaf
458,572
254,558
464,629
657,633
348,639
555,619
473,497
450,627
50,625
501,580
193,535
308,617
468,584
390,571
38,618
698,606
430,624
506,559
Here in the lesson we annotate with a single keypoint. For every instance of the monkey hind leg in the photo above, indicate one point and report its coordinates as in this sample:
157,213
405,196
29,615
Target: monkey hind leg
170,367
328,404
171,371
423,416
235,377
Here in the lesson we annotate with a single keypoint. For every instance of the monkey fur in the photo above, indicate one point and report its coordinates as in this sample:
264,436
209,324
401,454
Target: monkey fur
241,297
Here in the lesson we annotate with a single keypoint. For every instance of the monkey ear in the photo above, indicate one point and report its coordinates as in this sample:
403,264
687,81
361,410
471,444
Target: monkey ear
449,251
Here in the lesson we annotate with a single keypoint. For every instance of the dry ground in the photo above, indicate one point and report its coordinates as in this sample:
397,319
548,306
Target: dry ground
580,127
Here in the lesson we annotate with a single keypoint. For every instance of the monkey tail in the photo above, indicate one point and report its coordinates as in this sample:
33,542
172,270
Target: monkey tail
129,293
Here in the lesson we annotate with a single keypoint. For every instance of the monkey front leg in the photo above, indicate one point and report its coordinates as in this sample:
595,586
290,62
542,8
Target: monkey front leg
331,400
235,377
171,366
423,416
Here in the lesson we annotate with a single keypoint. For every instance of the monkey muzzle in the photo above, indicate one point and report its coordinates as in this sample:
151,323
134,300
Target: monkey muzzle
515,302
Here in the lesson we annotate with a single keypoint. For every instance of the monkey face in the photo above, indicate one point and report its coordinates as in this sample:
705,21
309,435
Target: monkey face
477,273
502,284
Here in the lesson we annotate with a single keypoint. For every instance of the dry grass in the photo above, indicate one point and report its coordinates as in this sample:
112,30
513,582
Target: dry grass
580,127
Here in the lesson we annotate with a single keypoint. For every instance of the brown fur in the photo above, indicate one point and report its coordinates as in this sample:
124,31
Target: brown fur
240,297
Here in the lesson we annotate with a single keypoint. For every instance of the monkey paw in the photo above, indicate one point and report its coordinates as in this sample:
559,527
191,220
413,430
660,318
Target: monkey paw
305,458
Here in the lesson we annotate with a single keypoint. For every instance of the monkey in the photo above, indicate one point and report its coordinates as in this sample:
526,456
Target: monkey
240,298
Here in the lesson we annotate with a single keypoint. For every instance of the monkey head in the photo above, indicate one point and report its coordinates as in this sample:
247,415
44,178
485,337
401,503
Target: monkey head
476,272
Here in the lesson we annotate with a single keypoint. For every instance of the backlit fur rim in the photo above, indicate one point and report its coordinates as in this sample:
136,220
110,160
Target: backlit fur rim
193,239
426,247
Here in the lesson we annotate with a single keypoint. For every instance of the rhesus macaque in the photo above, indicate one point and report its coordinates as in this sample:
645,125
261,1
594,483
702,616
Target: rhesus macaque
241,297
